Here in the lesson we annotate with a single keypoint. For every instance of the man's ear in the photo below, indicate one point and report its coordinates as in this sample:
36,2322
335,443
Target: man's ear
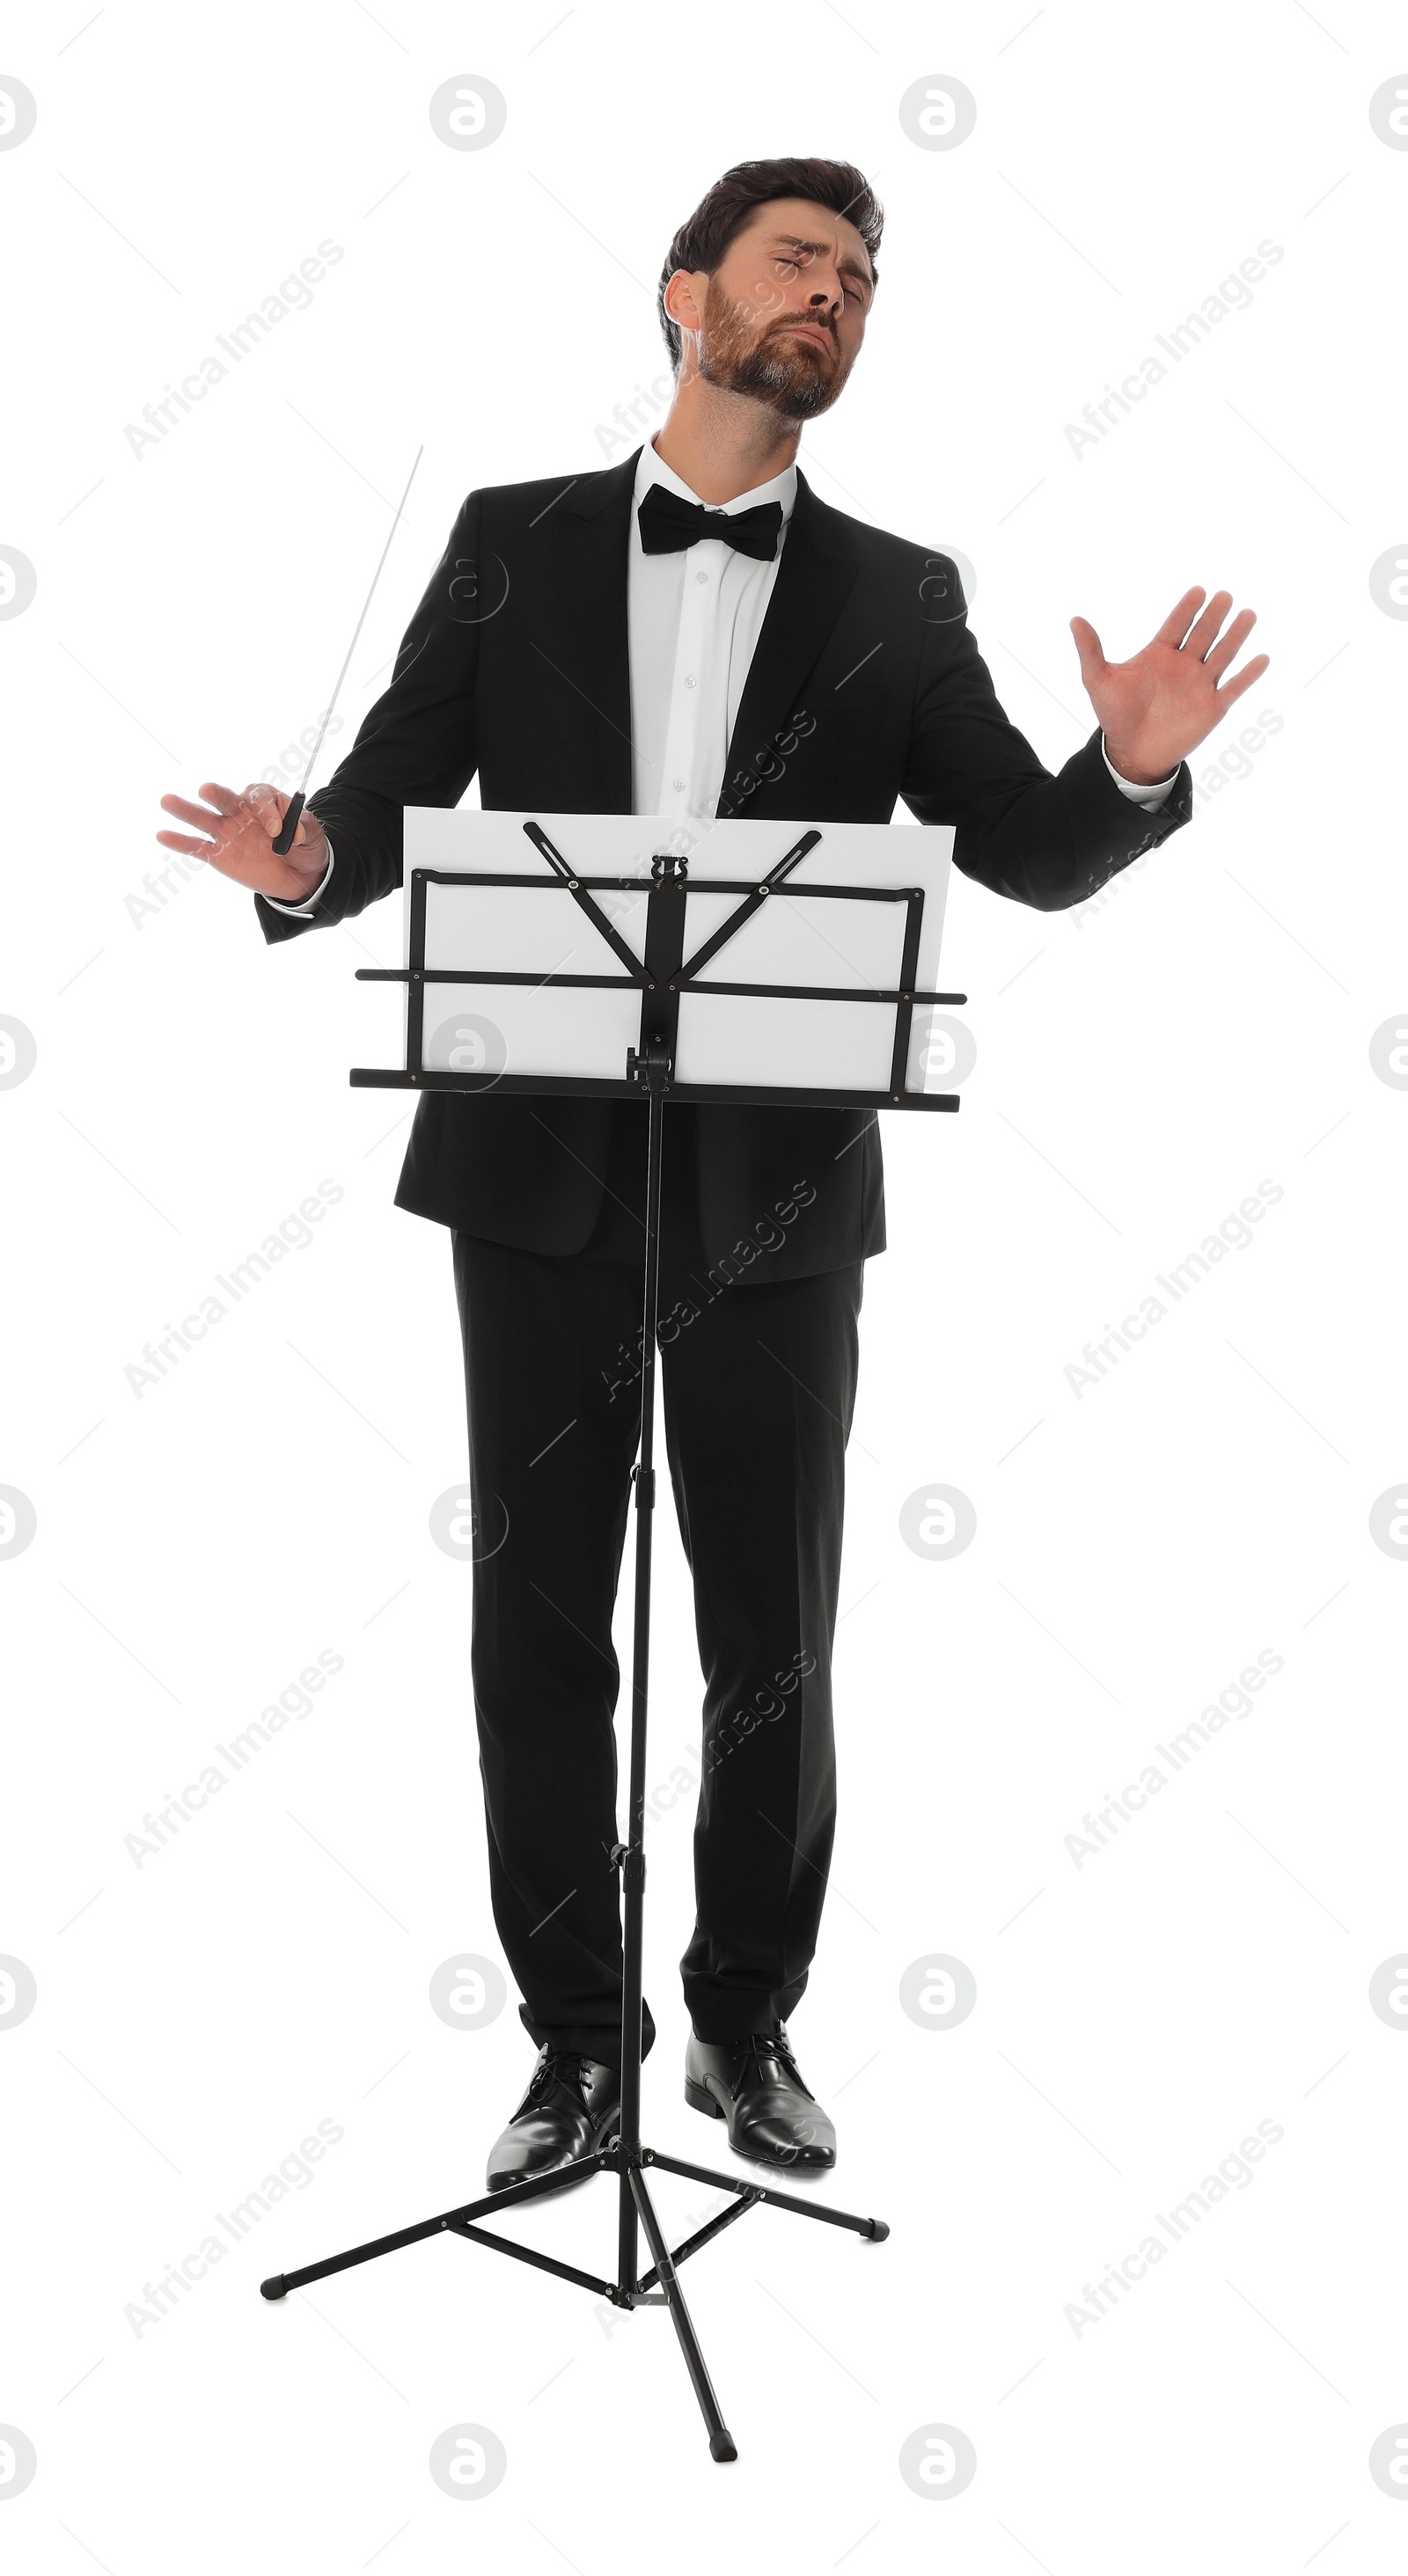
680,301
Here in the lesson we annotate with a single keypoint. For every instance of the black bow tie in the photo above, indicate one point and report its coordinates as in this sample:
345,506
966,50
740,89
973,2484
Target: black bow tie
668,524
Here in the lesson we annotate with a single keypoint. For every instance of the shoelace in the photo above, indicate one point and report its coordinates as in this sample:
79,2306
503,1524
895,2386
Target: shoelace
761,2045
556,2066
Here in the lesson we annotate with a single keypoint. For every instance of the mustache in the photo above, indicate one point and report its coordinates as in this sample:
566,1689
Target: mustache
809,322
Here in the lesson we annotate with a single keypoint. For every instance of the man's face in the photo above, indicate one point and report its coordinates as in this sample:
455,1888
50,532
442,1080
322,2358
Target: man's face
783,316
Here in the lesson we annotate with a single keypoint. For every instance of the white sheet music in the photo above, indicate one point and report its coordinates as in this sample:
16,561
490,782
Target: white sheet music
759,1040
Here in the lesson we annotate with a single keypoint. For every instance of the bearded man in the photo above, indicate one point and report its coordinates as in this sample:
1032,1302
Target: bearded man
694,633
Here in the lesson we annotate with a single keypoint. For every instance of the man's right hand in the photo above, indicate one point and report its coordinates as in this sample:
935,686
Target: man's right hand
241,831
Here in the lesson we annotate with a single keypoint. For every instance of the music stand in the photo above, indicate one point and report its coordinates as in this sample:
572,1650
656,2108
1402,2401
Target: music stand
681,1016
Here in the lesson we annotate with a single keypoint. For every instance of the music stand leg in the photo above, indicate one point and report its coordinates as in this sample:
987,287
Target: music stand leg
875,2229
721,2442
535,2188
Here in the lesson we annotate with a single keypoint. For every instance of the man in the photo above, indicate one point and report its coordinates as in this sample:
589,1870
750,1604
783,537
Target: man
693,632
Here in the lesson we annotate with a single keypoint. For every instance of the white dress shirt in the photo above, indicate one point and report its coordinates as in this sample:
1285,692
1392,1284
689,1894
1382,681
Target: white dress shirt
693,619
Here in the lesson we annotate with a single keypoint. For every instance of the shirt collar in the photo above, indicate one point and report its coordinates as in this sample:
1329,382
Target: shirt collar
651,468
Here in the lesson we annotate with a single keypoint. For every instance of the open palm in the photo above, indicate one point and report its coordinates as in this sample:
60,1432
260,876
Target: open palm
1158,706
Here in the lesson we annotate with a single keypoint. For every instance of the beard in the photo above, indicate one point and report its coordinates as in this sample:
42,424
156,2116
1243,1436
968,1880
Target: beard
770,363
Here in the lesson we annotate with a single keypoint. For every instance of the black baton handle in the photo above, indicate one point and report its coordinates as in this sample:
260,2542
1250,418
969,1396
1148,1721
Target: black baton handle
284,842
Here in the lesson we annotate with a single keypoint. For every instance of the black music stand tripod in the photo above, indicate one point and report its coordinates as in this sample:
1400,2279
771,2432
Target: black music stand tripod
649,1068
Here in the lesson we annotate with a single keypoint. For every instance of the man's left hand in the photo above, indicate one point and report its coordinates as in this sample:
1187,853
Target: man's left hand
1157,707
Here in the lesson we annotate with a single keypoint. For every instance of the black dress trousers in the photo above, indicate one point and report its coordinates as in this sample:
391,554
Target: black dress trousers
759,1386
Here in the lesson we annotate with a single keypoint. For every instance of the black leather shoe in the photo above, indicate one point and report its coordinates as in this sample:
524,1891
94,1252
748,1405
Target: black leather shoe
572,2106
753,2083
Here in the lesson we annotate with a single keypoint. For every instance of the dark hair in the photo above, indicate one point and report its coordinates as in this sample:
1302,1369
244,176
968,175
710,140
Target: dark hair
725,209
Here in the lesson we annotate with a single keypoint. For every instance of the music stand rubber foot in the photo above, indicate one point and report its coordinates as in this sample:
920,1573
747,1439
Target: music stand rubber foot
722,2446
274,2288
879,2230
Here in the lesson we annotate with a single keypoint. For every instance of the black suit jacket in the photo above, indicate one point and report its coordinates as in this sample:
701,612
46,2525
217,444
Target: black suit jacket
866,686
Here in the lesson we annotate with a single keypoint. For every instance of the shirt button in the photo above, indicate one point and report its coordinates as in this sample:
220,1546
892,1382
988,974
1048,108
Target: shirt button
679,787
689,680
701,576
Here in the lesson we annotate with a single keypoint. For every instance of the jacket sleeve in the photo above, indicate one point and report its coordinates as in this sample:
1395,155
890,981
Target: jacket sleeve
416,746
1049,841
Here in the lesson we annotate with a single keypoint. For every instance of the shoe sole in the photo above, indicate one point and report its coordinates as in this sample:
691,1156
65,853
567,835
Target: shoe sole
700,2099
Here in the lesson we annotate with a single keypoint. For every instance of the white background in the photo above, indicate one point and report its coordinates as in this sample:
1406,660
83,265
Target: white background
1142,1065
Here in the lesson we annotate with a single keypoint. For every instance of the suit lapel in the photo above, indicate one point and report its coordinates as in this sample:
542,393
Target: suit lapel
589,640
814,579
